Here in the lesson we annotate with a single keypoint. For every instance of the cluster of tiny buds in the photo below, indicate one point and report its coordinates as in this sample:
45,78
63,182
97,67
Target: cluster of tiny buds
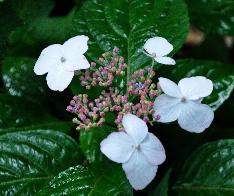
141,84
111,65
138,98
142,89
89,113
93,113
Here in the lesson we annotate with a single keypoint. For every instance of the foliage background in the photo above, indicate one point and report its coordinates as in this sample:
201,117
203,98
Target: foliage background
37,138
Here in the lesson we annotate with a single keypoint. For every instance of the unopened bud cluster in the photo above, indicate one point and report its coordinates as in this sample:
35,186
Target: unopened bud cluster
136,99
112,65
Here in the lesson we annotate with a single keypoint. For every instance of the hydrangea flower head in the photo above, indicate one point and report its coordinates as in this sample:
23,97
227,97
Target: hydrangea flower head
182,102
158,48
61,61
109,74
139,151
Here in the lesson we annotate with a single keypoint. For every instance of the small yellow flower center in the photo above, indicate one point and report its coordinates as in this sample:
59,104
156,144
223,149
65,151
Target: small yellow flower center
62,59
183,99
136,147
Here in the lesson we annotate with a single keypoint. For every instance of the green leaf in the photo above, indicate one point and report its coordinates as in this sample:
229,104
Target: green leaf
15,112
19,15
79,180
44,30
162,188
222,75
20,80
30,159
28,10
64,127
213,16
90,142
208,171
128,24
6,14
39,29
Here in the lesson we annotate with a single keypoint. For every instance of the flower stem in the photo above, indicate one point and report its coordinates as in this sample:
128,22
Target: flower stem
128,77
152,64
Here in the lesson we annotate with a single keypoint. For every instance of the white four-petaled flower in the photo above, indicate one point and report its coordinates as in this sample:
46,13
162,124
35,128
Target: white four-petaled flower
139,151
61,61
182,102
158,48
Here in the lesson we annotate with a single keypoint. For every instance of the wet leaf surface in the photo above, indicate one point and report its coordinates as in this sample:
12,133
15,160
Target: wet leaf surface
128,24
208,171
30,159
79,180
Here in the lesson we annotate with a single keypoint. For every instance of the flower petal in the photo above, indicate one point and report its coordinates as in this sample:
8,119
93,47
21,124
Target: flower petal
195,117
169,87
48,58
167,107
58,79
152,148
76,63
135,127
195,87
139,171
76,45
165,60
118,147
158,46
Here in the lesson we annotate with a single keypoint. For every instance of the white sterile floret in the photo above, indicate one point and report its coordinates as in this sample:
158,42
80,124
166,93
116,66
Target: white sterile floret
158,48
61,61
182,102
139,151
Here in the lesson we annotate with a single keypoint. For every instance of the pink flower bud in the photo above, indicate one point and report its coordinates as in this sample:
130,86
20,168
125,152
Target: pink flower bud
101,59
146,119
124,98
118,108
116,50
76,98
72,103
95,74
141,72
102,114
93,64
69,109
157,116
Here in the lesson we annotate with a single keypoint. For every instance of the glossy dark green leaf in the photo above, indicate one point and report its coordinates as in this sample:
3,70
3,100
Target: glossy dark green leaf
64,127
128,24
39,29
28,10
222,75
79,180
20,80
213,16
209,171
30,159
90,142
163,187
16,112
19,14
6,14
52,30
